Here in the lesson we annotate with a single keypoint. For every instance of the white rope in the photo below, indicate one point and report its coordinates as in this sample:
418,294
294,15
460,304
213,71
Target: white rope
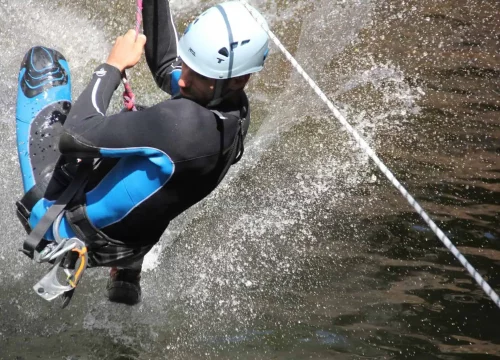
364,145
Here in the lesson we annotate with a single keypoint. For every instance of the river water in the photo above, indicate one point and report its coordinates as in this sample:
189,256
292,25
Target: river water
305,251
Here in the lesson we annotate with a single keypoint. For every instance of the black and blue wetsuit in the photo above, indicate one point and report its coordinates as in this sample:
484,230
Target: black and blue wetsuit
154,163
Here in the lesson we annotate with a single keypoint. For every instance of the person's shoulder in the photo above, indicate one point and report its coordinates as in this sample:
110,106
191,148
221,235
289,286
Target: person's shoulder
185,109
188,131
183,118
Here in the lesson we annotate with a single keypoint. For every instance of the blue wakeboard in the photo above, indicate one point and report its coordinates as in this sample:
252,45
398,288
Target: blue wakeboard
43,102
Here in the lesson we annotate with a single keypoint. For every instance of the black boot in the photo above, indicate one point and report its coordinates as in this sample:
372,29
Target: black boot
124,286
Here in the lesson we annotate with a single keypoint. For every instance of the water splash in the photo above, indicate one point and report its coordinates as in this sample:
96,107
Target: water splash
255,236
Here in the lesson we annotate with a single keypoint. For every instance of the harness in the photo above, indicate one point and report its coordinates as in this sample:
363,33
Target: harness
90,247
61,252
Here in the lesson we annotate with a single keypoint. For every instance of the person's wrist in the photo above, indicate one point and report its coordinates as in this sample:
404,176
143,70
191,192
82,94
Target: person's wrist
116,65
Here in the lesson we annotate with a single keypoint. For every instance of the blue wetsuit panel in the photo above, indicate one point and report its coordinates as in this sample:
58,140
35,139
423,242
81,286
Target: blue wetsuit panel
174,82
39,211
133,180
138,175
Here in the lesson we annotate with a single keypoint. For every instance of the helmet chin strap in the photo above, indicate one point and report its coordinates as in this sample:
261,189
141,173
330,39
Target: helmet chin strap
219,88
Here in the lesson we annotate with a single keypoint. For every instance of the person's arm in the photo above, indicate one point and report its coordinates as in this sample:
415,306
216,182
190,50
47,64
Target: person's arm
87,131
161,47
153,132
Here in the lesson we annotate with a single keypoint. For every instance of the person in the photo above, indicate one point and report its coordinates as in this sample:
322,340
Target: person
146,167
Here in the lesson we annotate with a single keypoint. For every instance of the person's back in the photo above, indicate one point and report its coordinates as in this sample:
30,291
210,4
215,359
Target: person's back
170,156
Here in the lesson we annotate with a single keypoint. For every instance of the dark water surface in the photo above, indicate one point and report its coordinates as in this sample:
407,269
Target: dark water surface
306,252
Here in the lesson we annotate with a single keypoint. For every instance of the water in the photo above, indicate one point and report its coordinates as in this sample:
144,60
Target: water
305,251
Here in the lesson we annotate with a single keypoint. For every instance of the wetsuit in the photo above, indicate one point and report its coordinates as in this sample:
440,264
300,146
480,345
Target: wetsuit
154,163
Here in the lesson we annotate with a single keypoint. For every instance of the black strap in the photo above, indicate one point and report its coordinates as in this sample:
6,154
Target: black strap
34,238
32,197
83,228
102,249
241,147
236,150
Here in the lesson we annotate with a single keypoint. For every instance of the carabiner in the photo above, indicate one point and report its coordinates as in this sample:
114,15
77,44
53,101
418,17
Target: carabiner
49,287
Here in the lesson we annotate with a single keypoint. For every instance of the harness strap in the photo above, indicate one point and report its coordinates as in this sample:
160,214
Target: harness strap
236,150
102,249
238,141
33,240
241,146
32,196
83,228
26,204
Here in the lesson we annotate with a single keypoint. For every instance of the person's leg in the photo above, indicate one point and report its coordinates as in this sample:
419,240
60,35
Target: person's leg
126,264
124,283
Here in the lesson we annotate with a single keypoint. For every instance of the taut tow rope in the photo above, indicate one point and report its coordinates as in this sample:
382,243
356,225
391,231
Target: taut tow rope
128,95
364,145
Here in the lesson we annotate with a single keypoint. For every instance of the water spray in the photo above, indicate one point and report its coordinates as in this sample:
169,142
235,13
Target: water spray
364,145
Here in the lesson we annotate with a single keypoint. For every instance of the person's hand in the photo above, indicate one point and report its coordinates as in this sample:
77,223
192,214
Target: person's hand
127,51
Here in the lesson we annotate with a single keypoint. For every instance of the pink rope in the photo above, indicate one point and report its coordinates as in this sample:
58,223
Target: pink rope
128,95
138,18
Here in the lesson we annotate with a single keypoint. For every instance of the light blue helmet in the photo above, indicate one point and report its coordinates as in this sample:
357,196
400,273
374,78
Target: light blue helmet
225,42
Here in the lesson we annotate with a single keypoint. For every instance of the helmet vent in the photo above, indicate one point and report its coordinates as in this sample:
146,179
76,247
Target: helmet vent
224,52
234,45
245,42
